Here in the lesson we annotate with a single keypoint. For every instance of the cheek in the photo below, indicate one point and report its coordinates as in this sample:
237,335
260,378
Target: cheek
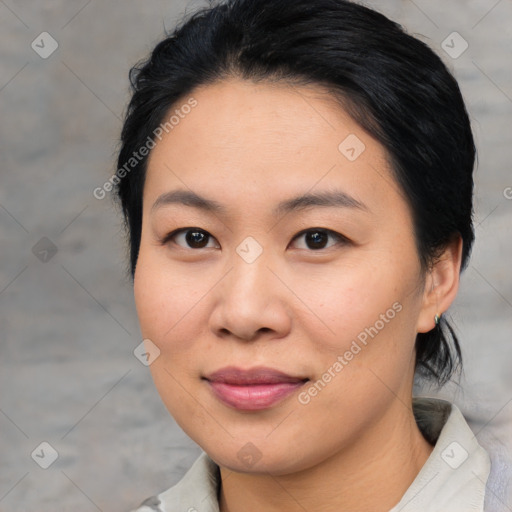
363,331
168,307
166,302
350,299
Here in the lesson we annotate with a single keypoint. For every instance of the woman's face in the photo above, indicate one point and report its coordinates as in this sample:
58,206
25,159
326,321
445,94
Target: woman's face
327,290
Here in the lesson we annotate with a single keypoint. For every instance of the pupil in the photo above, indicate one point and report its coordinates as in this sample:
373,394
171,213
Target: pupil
316,238
194,238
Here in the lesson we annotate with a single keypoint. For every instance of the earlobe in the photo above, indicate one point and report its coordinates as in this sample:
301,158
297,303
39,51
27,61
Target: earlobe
441,286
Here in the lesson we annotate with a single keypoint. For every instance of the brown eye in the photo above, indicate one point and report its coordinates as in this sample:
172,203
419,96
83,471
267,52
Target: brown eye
189,238
196,239
317,239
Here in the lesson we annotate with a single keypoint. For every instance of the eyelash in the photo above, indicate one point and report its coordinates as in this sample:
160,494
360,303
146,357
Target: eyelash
342,240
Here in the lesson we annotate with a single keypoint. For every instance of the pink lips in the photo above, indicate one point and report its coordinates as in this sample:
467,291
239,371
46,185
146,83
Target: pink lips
253,389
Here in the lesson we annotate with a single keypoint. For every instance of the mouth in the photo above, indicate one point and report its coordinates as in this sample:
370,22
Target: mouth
253,389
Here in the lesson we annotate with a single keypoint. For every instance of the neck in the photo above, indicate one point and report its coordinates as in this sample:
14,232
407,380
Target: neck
372,474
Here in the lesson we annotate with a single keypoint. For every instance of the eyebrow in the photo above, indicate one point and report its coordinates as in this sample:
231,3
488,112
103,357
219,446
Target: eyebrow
326,199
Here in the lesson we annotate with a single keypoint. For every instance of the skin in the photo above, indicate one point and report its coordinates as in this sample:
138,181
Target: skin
295,308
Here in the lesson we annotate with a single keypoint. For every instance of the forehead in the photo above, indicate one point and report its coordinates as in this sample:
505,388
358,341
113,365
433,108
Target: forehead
264,141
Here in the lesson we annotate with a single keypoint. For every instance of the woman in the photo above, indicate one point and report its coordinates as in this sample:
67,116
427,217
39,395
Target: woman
296,179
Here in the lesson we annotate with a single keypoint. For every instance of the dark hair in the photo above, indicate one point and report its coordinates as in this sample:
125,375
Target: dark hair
391,83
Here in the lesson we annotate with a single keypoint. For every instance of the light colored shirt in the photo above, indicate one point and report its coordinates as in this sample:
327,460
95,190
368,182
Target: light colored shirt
453,479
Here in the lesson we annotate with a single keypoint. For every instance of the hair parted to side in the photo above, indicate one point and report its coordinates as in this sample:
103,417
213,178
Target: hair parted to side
391,83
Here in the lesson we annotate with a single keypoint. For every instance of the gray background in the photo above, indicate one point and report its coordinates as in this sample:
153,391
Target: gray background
68,327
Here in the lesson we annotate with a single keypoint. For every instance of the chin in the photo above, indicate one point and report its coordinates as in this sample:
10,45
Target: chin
263,458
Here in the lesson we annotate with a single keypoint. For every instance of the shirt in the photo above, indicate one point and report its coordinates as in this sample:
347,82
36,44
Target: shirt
453,479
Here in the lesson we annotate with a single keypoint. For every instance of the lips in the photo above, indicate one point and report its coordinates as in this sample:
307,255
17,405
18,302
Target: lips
253,376
253,389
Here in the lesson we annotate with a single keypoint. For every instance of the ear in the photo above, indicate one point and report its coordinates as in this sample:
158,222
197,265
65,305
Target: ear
441,285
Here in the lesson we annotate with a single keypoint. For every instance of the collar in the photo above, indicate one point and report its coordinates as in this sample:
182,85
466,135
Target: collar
453,478
455,475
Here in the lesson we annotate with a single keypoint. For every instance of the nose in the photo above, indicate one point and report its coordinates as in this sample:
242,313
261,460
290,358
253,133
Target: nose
251,302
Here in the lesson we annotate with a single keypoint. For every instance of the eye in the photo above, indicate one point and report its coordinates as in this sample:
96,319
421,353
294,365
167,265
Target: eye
196,238
191,238
317,238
